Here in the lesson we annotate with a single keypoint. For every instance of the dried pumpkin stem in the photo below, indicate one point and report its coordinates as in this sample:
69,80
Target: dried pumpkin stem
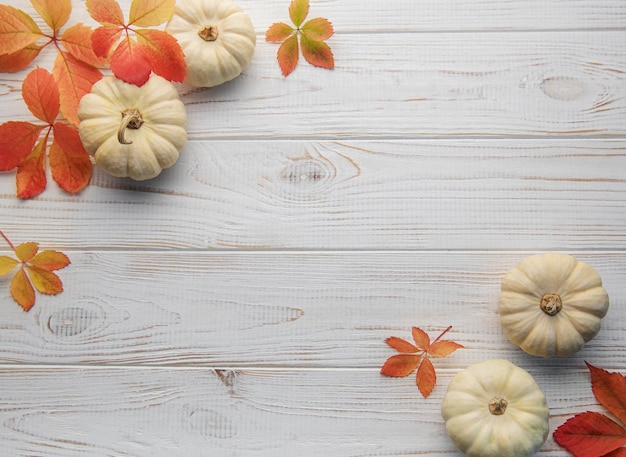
551,304
208,33
497,406
131,118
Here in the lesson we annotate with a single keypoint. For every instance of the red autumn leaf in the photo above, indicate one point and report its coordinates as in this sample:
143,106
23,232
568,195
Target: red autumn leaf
400,365
31,174
74,79
54,12
400,345
16,61
26,251
41,95
77,39
103,39
316,52
69,162
278,32
130,63
107,12
17,139
298,11
621,452
443,348
590,434
288,55
165,54
22,290
17,30
318,29
146,13
426,377
610,390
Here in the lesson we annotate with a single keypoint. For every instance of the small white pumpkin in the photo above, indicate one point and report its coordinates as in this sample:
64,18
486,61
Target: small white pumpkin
551,304
217,37
133,131
495,409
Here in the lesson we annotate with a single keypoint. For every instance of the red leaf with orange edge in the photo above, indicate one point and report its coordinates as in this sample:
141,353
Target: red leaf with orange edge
75,79
17,30
107,12
590,434
77,39
50,260
54,12
317,52
278,32
298,11
41,95
318,29
17,139
426,378
146,13
31,178
130,63
69,162
165,54
400,365
610,390
16,61
22,290
288,55
103,39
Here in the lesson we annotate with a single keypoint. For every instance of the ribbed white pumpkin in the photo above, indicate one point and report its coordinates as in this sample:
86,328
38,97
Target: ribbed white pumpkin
217,37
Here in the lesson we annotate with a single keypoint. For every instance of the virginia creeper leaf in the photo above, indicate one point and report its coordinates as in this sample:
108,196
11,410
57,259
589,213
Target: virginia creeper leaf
75,79
590,434
400,345
443,348
77,39
621,452
400,365
318,29
426,377
298,11
19,60
278,32
50,260
288,55
103,38
17,139
44,281
22,290
41,95
130,63
145,13
54,12
165,54
26,251
17,30
7,264
107,12
316,52
31,174
69,162
610,390
421,338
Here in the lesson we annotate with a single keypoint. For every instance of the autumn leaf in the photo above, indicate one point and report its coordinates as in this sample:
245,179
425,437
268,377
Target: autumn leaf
17,139
77,40
35,271
417,355
17,30
133,59
40,93
54,12
19,60
31,179
69,161
592,434
312,35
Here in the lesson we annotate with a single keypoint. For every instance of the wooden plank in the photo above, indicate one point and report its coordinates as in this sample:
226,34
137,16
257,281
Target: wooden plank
395,85
260,309
72,412
463,194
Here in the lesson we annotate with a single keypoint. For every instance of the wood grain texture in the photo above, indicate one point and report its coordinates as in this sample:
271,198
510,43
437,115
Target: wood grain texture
462,194
270,309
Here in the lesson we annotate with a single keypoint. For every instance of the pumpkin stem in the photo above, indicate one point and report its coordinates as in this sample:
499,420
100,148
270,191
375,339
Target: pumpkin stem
131,118
497,406
208,33
551,304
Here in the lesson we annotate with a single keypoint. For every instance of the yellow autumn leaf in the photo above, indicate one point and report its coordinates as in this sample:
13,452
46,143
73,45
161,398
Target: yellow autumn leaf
44,281
7,264
26,251
22,290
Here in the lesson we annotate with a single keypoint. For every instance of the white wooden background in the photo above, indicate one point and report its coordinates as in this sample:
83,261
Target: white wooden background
238,304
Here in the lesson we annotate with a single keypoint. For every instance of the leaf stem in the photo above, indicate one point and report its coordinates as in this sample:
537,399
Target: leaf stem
7,240
441,334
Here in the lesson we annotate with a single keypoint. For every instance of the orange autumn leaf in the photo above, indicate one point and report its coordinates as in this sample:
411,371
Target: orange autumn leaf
610,390
19,60
26,251
50,260
30,179
130,63
164,53
17,30
69,161
22,290
288,55
41,95
45,281
318,29
417,355
17,139
54,12
103,39
77,40
278,32
316,52
106,12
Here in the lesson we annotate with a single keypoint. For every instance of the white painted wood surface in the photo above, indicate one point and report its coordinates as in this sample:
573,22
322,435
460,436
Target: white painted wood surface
238,304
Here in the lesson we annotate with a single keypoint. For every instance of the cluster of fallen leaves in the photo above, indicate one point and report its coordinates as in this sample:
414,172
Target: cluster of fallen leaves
593,434
35,271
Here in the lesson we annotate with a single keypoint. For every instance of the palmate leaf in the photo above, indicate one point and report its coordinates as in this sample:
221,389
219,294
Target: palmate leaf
590,434
41,95
288,55
17,139
130,62
17,30
69,162
54,12
19,60
77,39
164,53
31,178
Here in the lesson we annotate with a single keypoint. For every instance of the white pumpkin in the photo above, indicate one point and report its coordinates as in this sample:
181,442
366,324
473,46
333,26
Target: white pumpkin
133,131
551,304
217,37
495,409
